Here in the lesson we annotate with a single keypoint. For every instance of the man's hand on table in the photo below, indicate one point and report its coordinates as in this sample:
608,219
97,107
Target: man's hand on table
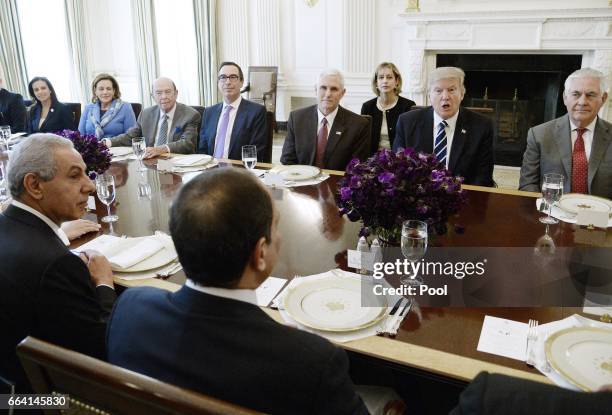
77,228
151,152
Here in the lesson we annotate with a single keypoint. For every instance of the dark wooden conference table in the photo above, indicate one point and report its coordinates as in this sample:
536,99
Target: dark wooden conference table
442,342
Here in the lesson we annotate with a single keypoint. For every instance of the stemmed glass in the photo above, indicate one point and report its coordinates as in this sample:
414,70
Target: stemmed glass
414,246
249,156
3,170
105,186
552,190
5,135
139,146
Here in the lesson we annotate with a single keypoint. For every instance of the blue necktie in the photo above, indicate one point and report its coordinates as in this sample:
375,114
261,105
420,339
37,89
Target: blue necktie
440,143
222,132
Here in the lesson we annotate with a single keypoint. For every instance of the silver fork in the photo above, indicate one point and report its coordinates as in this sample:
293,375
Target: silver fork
532,336
383,326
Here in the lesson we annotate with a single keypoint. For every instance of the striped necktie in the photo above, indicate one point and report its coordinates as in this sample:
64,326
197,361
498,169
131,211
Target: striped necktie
162,137
440,143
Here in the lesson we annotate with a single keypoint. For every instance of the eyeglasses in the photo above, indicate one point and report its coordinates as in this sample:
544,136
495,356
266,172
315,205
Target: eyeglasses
223,78
167,92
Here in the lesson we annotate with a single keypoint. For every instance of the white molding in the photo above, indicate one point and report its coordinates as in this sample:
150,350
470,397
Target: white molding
482,16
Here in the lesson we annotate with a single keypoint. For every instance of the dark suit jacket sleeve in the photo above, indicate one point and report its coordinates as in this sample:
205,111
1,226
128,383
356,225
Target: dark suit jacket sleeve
74,313
17,110
336,394
484,174
203,140
530,169
126,138
187,143
289,155
401,133
259,138
362,142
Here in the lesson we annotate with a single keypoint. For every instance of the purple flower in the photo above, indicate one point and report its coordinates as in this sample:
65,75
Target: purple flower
345,193
96,156
386,177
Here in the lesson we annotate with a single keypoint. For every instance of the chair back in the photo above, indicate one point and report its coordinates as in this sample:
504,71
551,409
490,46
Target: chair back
75,108
199,109
136,107
97,387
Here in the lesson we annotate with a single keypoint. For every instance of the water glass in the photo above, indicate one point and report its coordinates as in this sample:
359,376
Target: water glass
552,190
414,246
105,187
139,145
249,156
4,193
5,134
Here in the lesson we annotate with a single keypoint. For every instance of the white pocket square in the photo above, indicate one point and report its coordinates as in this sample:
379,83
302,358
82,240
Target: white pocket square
338,132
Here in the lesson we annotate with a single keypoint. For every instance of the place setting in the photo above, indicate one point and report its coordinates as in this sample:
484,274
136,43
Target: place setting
186,163
293,176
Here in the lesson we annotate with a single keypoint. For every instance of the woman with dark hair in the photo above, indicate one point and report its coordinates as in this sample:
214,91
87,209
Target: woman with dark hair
107,115
387,107
47,114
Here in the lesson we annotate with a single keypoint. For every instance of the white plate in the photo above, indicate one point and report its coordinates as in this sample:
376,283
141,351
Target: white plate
333,304
296,172
573,202
192,160
582,356
120,151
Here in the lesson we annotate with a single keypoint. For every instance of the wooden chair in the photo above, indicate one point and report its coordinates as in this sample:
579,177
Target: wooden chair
137,108
97,387
75,108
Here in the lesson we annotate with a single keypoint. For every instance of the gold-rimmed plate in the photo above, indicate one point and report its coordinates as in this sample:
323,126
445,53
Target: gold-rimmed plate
296,172
334,304
191,160
574,202
120,151
582,356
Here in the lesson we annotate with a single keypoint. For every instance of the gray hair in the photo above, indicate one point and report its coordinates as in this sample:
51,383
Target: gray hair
446,72
588,73
331,72
35,154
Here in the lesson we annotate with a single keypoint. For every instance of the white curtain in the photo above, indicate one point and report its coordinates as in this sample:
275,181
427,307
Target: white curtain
143,19
76,32
205,14
12,59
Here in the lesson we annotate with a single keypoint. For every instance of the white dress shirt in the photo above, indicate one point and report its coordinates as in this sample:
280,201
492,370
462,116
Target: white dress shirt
56,229
587,136
248,296
170,115
230,125
330,120
450,132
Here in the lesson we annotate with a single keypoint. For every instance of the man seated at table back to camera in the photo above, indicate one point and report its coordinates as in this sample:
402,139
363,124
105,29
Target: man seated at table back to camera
326,135
12,108
461,139
216,339
46,291
168,127
576,145
233,123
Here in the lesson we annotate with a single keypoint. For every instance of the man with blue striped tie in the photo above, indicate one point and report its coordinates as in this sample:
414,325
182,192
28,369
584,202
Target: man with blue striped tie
461,140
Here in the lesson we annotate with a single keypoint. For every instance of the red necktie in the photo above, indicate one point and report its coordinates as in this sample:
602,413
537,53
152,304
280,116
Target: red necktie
321,144
580,165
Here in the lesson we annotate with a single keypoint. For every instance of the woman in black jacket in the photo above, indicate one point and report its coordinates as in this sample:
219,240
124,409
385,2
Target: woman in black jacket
47,114
387,107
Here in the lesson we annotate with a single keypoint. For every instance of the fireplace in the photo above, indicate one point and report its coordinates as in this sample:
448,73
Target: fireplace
522,90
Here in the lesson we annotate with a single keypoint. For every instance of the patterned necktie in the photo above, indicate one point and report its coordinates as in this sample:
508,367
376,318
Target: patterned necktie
162,137
222,132
440,143
580,165
321,144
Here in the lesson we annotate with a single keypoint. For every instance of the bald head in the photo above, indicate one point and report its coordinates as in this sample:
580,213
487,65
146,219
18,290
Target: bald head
165,93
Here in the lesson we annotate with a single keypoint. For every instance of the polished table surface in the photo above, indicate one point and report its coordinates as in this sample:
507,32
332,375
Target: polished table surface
315,239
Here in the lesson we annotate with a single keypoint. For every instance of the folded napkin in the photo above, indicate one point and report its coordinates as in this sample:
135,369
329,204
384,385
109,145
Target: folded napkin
169,166
190,160
562,215
297,183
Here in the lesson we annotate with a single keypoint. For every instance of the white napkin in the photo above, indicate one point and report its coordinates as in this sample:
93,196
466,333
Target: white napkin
189,160
123,253
562,215
310,182
166,166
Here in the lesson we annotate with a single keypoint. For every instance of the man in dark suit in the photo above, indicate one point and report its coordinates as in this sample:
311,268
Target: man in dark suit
576,145
326,135
46,291
12,109
235,122
462,140
216,339
168,127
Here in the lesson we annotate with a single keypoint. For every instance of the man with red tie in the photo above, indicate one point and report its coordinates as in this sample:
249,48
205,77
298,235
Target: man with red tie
326,135
576,145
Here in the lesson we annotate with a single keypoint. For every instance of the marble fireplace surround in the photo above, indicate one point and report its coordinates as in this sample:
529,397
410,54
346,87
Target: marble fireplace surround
421,36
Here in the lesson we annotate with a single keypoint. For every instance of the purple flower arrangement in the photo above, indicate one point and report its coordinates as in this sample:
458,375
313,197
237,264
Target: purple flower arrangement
389,188
95,154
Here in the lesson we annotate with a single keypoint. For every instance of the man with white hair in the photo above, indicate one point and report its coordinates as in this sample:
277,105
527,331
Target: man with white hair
461,140
46,291
326,135
576,145
12,108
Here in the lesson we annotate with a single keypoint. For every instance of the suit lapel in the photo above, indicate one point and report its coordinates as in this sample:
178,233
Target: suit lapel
601,140
564,146
239,121
424,142
178,113
149,130
335,134
50,116
312,124
459,138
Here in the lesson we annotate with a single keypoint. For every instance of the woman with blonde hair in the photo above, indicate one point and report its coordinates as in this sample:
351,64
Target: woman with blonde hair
386,108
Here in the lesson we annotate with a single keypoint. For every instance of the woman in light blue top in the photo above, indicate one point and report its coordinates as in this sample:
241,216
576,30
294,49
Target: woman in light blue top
107,115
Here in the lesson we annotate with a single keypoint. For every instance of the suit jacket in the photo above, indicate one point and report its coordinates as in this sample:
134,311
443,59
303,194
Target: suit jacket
12,111
231,350
549,150
123,120
60,117
249,128
369,108
471,154
504,395
183,131
349,137
46,292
